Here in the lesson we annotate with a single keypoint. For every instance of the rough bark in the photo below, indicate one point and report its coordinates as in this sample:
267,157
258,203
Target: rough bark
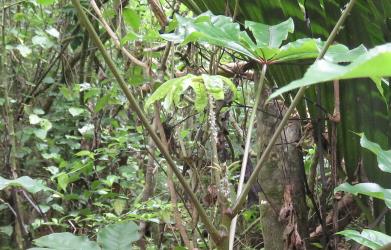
282,202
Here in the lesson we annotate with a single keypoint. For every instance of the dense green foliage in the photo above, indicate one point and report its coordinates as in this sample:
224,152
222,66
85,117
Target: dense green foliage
83,169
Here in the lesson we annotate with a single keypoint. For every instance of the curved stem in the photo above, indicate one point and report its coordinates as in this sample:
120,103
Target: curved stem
236,10
247,151
214,232
295,102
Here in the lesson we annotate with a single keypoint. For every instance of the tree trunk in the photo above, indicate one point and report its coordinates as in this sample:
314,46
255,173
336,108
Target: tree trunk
282,202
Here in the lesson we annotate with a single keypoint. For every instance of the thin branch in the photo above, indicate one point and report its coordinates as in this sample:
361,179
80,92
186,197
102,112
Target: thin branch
155,49
10,207
319,128
179,194
214,232
149,182
334,158
295,102
115,38
20,229
336,117
159,13
37,208
236,10
247,149
171,187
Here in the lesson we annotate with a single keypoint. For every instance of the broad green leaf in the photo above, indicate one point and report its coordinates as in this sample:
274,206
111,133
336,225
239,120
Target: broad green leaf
374,63
299,49
7,230
370,189
45,124
23,50
102,102
379,85
38,111
25,182
86,129
222,31
40,133
131,18
63,181
34,119
86,153
270,36
340,53
48,156
53,32
119,206
75,111
201,99
118,236
216,30
129,37
383,157
174,96
162,91
308,48
370,238
42,41
214,85
65,241
67,93
52,169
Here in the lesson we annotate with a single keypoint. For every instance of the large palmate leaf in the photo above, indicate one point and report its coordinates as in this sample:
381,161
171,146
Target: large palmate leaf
370,189
369,16
222,31
202,86
375,63
118,236
308,48
25,182
370,238
383,157
216,30
270,36
64,241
